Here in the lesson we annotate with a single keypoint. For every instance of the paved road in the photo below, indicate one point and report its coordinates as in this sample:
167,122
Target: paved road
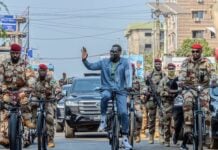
96,142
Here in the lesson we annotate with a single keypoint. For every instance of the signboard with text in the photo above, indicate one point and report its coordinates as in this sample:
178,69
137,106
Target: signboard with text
8,23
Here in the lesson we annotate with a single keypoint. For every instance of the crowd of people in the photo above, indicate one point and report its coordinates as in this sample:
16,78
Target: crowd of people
117,73
17,75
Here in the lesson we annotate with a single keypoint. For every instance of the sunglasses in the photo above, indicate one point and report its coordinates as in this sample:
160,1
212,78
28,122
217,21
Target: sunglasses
195,52
113,51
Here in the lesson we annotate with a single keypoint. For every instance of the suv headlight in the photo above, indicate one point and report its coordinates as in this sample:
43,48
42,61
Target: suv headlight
61,105
71,103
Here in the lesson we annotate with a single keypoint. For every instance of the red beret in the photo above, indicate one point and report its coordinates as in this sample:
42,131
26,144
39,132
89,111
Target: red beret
43,67
15,47
196,46
171,65
157,60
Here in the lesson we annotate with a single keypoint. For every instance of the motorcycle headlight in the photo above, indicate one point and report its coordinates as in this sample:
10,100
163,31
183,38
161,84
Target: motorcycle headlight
71,103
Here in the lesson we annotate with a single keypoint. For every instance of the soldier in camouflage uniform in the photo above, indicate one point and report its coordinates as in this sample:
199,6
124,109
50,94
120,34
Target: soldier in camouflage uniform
156,75
63,80
195,70
47,88
138,85
167,98
15,76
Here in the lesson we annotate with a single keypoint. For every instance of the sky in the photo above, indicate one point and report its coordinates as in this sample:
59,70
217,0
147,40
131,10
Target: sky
59,28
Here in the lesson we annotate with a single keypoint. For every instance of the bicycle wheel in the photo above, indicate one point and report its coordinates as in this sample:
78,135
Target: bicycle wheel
40,131
14,133
115,133
44,135
132,127
200,132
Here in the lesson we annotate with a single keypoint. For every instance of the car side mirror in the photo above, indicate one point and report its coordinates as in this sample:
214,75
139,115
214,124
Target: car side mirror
64,93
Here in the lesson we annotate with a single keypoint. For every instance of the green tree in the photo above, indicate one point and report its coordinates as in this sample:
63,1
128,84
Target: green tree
185,49
148,61
3,5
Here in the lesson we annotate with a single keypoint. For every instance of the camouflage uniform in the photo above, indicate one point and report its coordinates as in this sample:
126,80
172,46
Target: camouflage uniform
151,106
138,85
189,75
16,77
144,118
167,104
63,81
47,89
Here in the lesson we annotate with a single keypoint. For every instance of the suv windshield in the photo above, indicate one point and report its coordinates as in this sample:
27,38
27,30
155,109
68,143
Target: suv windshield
85,85
67,88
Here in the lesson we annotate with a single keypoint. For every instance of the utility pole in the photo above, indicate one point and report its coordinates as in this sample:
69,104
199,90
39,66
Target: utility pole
166,17
157,13
28,28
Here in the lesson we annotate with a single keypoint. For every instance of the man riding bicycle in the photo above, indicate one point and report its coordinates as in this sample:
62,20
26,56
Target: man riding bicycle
195,70
15,76
116,74
47,88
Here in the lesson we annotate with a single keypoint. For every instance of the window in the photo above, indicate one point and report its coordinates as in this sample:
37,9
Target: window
198,34
198,15
200,1
85,85
147,33
212,35
147,46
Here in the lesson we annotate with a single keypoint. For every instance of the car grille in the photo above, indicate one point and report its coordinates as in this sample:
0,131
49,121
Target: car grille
90,107
61,113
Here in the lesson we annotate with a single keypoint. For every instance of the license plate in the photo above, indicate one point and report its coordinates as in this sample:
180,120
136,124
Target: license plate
96,118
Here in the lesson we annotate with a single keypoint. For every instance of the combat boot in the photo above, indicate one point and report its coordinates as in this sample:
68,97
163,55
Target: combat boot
161,139
151,139
51,143
138,139
167,144
4,141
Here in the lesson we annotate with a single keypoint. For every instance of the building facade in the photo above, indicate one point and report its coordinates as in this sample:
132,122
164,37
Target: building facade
188,19
140,38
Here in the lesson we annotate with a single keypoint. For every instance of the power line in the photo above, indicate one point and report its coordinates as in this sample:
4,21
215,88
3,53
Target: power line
70,58
65,25
78,10
79,37
88,17
67,32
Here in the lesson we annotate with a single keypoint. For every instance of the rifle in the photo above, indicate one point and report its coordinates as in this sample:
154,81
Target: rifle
154,94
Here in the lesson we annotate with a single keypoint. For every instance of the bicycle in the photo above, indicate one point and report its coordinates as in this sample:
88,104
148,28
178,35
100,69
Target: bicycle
15,123
41,129
113,124
199,130
132,116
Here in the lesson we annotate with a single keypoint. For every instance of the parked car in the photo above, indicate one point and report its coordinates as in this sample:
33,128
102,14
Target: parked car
60,109
82,106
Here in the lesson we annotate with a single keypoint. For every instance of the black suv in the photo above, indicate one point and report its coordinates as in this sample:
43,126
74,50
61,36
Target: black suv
82,106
